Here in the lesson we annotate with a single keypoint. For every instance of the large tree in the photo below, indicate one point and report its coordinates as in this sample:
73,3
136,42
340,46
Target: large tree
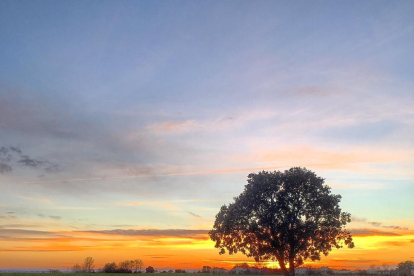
286,217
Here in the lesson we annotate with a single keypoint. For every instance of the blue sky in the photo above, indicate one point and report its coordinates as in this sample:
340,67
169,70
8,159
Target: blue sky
150,114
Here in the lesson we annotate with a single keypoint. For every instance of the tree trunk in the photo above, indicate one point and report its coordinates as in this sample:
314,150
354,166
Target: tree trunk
292,267
291,271
286,272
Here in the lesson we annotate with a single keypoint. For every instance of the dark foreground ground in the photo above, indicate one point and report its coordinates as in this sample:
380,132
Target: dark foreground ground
107,274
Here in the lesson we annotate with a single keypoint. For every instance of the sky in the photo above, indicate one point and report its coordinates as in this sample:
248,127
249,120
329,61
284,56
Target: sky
126,125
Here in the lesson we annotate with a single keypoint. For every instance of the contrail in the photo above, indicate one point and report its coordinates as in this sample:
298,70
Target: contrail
152,175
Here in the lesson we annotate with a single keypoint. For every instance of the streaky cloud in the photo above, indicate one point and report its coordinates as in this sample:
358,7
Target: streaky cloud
153,232
194,215
4,168
365,232
152,175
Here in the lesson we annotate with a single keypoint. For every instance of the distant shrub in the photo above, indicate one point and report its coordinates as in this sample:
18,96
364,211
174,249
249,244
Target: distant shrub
109,268
77,268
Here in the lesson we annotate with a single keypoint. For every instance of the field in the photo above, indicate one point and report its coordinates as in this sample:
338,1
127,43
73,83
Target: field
106,274
125,274
94,274
100,274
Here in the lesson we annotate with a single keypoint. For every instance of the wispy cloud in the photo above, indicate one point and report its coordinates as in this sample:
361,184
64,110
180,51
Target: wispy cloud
155,232
316,91
152,175
194,215
223,123
394,243
37,199
8,215
364,232
348,159
13,156
155,205
4,168
378,224
103,240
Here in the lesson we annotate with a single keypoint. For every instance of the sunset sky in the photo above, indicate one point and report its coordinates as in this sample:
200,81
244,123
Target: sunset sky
126,125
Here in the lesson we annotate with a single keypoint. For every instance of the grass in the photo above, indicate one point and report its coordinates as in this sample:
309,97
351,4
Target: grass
100,274
110,274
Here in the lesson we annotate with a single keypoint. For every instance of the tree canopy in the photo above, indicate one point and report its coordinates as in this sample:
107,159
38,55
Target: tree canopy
286,217
88,264
405,267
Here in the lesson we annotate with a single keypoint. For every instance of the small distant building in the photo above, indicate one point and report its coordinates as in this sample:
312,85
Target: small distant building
219,270
246,270
407,272
254,271
324,270
301,271
342,272
239,270
271,271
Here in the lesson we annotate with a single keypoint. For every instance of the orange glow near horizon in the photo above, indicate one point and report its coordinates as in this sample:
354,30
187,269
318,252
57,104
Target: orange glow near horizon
63,249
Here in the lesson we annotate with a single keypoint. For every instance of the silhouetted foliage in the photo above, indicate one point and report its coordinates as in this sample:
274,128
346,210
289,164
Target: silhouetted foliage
206,269
125,267
242,265
88,264
180,271
137,265
405,268
240,269
110,268
286,216
150,269
77,268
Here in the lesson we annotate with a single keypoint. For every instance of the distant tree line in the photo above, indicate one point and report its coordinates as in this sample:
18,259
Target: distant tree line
128,266
170,271
403,269
136,266
242,268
